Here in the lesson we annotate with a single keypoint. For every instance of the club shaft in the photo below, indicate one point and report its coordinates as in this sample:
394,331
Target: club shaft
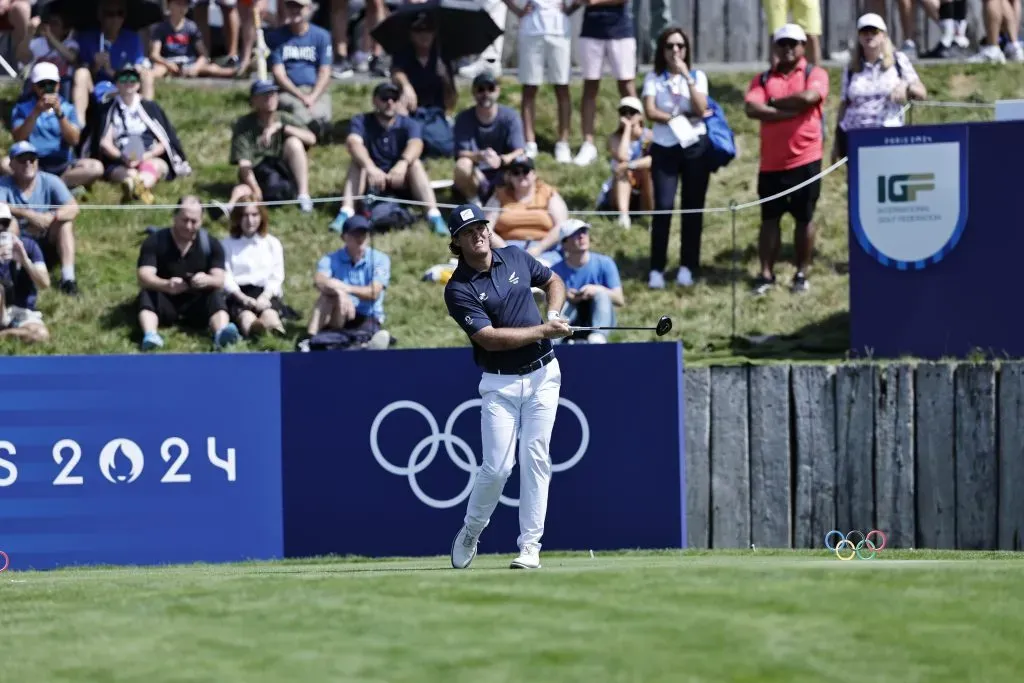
587,329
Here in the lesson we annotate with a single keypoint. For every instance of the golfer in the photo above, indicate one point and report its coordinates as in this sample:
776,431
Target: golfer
489,295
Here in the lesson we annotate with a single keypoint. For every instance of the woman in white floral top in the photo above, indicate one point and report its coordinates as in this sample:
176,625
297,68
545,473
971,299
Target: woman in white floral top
876,84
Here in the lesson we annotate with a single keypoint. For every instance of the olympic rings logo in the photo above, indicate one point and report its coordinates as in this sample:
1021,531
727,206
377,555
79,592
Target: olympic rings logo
6,559
467,462
846,544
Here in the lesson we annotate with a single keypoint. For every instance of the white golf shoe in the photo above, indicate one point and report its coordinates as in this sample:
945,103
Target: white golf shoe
529,558
464,549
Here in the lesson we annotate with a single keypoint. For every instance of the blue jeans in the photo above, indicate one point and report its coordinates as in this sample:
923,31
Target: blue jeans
597,312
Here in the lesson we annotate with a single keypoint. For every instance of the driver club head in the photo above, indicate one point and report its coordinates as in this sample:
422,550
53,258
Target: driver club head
664,326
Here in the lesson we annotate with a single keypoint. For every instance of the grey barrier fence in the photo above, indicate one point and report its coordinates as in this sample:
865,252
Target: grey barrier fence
932,454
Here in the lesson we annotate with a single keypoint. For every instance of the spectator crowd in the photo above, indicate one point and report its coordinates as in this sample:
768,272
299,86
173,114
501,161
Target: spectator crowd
90,113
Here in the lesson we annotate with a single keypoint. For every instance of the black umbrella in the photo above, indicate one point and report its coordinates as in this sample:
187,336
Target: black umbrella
463,28
83,15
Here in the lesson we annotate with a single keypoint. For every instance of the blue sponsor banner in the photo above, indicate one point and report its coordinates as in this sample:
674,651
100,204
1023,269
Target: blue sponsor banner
140,460
933,238
380,449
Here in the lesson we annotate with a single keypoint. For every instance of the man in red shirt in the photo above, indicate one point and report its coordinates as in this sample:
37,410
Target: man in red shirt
788,100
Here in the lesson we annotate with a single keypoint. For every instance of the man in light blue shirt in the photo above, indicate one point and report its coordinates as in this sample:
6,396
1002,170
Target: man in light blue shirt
352,282
593,287
300,61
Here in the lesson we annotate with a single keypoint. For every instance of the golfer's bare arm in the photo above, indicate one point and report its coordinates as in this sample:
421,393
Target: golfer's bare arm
554,288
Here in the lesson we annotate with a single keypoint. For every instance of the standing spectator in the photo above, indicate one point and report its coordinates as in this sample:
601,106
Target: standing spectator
228,10
592,284
181,279
385,148
53,228
352,283
875,85
56,43
806,14
607,35
788,101
952,16
1000,15
19,14
51,125
22,274
253,271
136,141
544,50
269,148
676,101
104,52
300,61
487,136
629,188
177,47
247,11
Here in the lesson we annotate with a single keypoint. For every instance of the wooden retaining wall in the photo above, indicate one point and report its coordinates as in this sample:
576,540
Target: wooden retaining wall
932,454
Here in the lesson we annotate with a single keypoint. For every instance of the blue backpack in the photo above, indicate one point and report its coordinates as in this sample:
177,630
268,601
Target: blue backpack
720,135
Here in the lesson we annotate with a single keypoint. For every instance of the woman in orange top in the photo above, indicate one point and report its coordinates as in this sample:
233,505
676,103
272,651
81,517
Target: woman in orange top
530,212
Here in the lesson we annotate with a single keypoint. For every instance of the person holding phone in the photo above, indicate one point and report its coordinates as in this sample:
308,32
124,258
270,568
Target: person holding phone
22,274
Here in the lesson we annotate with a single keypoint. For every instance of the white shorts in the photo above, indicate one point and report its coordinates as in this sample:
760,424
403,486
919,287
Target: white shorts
14,316
541,56
620,53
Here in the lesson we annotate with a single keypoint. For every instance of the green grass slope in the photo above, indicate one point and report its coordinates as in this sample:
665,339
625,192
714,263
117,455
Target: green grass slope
814,325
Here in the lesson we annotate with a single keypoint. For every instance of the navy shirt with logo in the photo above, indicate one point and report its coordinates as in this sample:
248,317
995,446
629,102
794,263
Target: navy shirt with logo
180,46
608,22
385,145
301,55
428,86
499,297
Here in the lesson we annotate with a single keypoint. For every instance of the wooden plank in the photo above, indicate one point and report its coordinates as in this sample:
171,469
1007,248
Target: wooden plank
855,496
730,459
743,31
697,418
1011,456
709,33
894,454
840,25
814,420
770,500
977,481
935,475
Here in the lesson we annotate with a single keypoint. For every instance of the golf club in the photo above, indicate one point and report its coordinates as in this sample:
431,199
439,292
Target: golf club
661,329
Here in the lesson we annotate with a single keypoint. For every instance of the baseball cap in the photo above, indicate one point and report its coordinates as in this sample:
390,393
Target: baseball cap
5,212
521,161
263,87
790,32
464,215
631,102
386,88
571,227
304,3
44,71
127,69
872,20
484,78
23,147
356,222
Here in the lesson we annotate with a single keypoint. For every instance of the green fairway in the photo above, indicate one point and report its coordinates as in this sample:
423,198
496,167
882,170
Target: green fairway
672,616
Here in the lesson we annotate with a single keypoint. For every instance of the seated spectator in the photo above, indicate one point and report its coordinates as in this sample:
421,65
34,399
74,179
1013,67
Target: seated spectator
177,47
629,188
55,43
352,283
300,61
269,148
136,141
428,90
253,271
385,149
22,274
525,212
19,15
487,136
592,284
51,125
181,279
104,52
52,228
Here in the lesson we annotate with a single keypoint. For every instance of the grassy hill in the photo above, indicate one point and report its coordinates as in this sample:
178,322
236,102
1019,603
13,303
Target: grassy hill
812,325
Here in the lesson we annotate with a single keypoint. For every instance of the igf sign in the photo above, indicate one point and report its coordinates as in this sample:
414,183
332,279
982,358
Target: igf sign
904,187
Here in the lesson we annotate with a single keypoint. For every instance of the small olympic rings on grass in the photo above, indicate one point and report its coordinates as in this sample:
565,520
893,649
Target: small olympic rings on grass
856,544
5,561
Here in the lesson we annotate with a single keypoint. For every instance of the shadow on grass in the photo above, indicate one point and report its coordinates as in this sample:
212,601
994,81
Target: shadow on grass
123,316
826,338
633,267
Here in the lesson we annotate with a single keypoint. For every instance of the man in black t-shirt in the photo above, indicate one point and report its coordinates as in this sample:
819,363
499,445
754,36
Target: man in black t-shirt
176,47
181,276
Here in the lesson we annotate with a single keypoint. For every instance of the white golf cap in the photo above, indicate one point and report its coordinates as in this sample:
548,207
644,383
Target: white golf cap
571,227
872,20
632,103
44,71
5,212
790,32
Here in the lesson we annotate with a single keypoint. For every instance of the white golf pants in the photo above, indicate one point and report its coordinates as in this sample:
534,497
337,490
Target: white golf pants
516,412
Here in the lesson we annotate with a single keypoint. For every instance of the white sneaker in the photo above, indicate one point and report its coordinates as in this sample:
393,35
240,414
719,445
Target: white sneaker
563,154
305,203
529,558
988,54
624,222
587,154
1014,52
656,280
685,277
597,338
379,341
531,150
464,549
479,66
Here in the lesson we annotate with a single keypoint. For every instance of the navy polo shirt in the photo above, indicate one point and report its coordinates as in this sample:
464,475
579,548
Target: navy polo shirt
499,297
385,145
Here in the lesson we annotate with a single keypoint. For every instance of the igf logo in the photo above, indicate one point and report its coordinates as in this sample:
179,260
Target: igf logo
904,187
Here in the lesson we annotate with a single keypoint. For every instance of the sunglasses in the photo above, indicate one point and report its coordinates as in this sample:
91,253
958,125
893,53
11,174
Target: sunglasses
484,88
388,98
675,46
518,172
626,111
128,78
27,159
869,31
47,86
5,223
786,42
113,13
